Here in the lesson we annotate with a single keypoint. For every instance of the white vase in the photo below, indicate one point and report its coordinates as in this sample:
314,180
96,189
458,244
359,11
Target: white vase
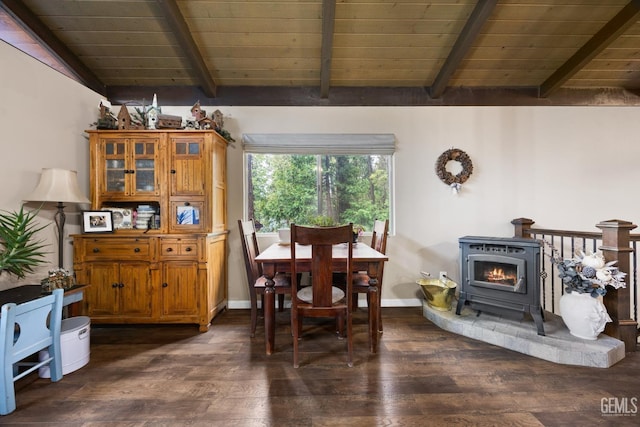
584,315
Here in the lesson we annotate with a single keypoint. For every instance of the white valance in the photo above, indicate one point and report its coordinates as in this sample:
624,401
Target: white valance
319,143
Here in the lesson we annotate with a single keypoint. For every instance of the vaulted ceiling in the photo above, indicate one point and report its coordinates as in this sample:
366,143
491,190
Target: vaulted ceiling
338,52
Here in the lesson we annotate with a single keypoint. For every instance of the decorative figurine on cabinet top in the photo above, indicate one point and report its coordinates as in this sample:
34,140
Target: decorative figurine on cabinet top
106,119
126,122
152,113
200,115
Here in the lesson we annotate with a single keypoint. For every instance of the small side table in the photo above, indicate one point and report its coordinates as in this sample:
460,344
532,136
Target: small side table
26,293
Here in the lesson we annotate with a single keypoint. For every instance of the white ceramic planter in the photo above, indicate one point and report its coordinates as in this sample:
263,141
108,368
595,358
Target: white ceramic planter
584,315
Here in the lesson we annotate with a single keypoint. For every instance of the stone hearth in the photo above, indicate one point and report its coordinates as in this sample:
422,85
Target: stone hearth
558,346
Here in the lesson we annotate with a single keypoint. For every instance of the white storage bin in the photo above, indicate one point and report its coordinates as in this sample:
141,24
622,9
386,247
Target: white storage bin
75,335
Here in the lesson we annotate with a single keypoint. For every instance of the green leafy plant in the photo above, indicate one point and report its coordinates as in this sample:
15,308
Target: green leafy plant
322,221
140,116
20,251
226,135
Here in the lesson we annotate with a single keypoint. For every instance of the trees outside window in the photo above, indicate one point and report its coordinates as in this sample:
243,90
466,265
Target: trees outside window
320,189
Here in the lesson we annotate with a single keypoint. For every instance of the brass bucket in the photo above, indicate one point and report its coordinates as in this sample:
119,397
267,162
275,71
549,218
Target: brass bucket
438,293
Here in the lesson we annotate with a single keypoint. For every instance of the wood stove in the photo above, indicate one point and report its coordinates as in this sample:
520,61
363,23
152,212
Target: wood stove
501,276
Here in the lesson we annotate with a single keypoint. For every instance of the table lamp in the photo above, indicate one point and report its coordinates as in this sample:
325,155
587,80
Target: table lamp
59,186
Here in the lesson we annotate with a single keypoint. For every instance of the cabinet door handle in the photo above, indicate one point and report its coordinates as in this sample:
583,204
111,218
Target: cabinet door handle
169,249
188,249
164,285
187,204
121,285
173,171
136,250
114,285
96,250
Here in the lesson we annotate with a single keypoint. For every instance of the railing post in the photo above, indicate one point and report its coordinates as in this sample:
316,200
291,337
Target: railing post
615,246
522,227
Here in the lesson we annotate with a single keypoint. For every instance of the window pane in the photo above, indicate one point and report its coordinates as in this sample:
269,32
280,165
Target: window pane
317,189
194,148
181,148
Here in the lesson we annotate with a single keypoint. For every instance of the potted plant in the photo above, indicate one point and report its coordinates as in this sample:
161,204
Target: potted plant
358,231
585,278
58,278
20,251
322,221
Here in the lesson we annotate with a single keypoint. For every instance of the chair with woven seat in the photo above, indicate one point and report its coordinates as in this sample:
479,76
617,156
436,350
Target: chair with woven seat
322,299
25,329
255,280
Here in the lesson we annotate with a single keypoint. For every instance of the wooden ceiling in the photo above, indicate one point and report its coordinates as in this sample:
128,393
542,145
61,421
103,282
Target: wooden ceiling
344,52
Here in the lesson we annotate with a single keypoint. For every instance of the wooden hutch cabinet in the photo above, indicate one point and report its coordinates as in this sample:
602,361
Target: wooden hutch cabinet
171,268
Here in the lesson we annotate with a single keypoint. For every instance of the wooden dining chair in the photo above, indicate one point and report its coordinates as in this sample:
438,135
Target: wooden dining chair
361,279
25,329
255,280
322,298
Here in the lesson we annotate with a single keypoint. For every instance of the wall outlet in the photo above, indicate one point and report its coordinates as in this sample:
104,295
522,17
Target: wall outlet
443,275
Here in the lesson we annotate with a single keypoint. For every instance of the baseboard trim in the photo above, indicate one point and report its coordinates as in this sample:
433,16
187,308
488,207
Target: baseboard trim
396,302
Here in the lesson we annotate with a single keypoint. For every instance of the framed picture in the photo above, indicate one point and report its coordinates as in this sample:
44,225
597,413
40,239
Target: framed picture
188,215
97,222
122,217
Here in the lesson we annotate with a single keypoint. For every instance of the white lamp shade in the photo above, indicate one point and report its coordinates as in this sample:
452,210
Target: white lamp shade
57,185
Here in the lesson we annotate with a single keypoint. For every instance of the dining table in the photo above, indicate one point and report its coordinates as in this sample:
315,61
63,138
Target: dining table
277,259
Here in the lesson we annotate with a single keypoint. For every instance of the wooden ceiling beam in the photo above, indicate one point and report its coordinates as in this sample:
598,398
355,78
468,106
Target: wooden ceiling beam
178,25
328,24
603,38
265,96
30,23
471,29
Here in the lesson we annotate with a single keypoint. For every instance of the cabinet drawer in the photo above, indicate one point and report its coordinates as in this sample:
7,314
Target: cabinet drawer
132,248
178,247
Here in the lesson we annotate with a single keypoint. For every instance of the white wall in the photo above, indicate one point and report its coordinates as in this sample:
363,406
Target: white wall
560,166
42,116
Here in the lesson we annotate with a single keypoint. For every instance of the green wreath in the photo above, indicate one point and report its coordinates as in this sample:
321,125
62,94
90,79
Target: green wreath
457,156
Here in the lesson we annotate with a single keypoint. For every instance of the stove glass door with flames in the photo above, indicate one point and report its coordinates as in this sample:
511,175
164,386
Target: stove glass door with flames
497,272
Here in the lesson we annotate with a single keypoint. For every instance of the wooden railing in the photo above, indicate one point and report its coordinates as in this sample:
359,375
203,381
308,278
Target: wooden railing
616,242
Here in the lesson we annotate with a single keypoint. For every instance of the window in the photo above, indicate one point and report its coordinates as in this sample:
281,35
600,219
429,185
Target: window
321,179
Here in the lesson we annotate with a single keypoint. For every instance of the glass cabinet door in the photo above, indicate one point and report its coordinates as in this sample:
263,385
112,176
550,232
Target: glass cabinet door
144,158
114,165
130,166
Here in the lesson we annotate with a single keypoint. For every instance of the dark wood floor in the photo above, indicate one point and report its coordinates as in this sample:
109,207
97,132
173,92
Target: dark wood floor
422,376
